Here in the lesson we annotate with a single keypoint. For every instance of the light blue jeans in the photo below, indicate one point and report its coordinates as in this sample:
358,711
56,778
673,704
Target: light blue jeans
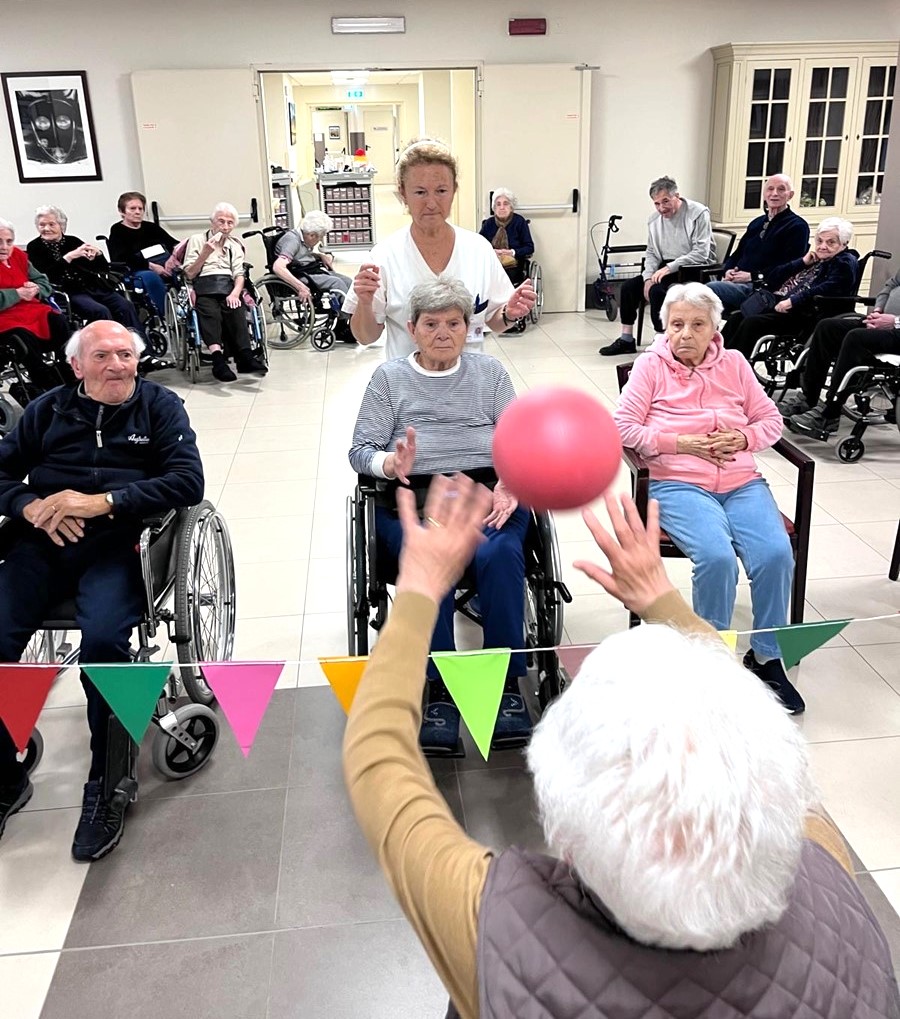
710,527
732,295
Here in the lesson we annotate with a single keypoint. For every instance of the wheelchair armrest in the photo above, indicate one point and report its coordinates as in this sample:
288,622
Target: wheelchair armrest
159,521
709,271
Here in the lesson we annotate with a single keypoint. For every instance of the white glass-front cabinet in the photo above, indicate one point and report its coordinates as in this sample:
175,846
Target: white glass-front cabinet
819,112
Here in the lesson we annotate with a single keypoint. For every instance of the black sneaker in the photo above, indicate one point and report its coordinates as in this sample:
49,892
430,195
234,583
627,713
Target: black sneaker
773,675
250,365
13,798
101,825
220,368
621,346
815,423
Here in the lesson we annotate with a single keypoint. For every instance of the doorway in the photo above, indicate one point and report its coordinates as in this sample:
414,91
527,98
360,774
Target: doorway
340,113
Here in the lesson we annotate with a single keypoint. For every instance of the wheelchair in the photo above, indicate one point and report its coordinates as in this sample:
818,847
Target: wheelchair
777,361
186,560
18,382
316,319
183,326
871,396
545,592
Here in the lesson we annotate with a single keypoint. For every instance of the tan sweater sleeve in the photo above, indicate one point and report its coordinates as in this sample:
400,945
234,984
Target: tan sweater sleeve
434,869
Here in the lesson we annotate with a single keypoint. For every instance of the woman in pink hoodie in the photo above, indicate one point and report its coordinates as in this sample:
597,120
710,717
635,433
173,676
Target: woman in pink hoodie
696,413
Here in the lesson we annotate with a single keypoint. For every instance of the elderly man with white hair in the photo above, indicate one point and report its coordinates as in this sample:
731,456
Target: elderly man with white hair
214,263
78,474
779,235
692,875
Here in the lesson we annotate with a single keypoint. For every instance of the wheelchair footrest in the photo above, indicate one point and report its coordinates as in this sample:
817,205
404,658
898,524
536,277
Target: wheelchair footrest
509,742
445,752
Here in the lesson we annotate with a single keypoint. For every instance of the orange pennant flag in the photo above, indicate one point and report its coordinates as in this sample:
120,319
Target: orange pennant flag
344,675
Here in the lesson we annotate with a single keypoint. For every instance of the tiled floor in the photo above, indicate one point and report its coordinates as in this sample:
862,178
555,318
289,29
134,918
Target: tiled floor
247,892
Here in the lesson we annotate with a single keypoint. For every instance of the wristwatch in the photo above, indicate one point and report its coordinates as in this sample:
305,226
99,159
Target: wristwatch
110,501
897,323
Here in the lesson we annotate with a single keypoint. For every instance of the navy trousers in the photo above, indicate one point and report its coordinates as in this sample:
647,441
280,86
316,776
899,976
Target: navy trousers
102,571
499,568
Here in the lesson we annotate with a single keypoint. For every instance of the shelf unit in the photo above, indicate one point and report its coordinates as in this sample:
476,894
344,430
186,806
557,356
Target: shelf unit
349,203
819,112
282,204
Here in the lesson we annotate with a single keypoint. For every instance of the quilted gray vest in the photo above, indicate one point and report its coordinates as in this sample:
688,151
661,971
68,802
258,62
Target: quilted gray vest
549,950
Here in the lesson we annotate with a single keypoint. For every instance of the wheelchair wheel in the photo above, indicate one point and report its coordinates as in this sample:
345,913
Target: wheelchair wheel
537,281
171,757
204,596
850,449
194,364
323,338
290,318
47,646
33,752
10,412
544,596
177,331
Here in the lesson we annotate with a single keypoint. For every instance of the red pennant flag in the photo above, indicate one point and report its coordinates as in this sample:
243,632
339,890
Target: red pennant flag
23,691
243,690
570,658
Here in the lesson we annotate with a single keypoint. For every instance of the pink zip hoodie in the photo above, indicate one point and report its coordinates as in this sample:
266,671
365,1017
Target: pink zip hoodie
665,398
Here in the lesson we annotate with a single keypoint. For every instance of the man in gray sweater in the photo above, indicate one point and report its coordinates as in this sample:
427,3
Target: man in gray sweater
679,234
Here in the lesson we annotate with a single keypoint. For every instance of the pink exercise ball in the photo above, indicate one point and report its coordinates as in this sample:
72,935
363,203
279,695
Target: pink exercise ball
556,448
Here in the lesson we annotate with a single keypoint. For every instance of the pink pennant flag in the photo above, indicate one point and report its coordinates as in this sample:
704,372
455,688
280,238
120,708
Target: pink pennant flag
243,690
570,658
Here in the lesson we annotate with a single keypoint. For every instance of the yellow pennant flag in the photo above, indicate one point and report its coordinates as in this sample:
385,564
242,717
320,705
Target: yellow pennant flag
730,638
344,675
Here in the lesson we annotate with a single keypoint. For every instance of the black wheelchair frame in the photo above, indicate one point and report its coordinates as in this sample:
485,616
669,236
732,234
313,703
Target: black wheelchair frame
545,592
777,361
298,318
186,558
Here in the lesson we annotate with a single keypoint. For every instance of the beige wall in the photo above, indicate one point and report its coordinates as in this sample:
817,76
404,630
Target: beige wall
651,97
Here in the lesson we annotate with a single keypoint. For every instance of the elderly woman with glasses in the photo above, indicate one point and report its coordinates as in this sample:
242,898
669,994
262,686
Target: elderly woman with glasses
434,412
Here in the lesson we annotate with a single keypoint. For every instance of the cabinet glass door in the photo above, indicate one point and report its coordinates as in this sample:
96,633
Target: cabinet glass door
768,129
872,130
827,98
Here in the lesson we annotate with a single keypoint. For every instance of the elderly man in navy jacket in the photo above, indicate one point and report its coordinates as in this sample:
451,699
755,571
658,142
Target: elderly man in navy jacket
99,457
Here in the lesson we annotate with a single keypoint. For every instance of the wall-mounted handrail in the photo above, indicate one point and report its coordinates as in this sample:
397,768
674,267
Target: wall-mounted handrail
252,215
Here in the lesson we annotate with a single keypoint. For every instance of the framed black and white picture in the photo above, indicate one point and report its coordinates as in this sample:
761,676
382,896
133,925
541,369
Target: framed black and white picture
51,125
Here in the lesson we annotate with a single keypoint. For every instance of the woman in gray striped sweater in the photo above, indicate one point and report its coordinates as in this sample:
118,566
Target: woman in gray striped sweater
434,412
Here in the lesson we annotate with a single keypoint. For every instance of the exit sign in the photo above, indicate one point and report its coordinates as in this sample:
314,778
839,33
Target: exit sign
356,93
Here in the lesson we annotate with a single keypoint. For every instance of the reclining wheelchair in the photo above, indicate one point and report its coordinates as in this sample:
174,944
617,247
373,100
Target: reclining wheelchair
298,318
186,558
777,361
368,579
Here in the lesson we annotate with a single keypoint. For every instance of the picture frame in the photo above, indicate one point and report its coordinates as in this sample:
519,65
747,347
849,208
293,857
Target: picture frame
52,126
334,132
292,123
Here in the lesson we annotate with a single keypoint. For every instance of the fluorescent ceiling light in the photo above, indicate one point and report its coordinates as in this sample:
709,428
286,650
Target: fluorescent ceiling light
364,26
349,77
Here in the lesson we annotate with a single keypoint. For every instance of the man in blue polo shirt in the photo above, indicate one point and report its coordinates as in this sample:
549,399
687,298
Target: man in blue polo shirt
778,236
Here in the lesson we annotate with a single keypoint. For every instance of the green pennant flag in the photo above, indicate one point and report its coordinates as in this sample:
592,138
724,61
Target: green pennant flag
131,690
798,640
475,682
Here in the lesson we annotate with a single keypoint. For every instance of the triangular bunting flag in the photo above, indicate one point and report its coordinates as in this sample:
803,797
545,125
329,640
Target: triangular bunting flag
475,682
344,675
797,641
131,690
570,658
243,690
730,638
23,690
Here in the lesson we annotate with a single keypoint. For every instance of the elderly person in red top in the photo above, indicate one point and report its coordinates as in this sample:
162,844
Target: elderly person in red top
690,877
696,412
